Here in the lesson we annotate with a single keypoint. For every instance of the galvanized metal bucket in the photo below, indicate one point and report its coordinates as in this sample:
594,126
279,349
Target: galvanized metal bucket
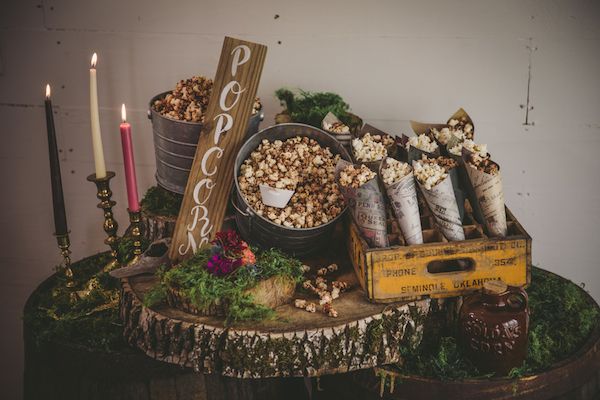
258,229
175,145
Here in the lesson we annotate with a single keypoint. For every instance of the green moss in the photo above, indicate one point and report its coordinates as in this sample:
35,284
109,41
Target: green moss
562,318
159,201
93,320
193,280
311,107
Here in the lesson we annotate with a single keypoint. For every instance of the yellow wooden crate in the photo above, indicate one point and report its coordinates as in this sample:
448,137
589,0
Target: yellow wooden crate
439,268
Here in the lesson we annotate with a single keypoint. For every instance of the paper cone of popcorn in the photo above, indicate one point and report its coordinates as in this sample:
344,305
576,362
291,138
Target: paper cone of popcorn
367,207
490,197
412,153
462,115
330,120
442,202
403,198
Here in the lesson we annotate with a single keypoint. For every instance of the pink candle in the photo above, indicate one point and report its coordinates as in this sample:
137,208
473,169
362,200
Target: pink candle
130,179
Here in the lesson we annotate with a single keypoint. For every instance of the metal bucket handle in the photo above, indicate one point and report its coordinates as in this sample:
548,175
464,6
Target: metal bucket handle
248,213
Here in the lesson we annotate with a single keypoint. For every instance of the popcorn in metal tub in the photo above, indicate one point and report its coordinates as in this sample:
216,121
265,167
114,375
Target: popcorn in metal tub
298,164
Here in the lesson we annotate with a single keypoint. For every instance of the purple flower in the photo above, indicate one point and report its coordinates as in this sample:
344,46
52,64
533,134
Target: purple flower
221,266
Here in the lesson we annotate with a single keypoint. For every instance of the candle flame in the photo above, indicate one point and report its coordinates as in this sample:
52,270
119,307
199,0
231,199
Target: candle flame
47,91
123,113
94,60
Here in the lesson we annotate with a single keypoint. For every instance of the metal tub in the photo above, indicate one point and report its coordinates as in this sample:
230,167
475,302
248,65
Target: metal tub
175,145
259,230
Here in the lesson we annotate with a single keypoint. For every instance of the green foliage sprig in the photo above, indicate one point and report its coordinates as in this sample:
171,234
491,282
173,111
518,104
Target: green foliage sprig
311,107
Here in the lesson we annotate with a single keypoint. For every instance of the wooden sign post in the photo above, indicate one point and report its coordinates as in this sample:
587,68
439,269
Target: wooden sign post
209,184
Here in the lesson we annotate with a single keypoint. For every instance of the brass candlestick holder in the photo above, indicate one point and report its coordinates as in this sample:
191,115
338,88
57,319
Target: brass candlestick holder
110,224
135,230
63,244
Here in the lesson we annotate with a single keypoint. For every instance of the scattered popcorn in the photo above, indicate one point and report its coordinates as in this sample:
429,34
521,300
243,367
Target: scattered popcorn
307,285
189,100
322,271
298,164
305,268
332,267
311,307
429,174
335,293
394,170
422,142
341,285
368,149
325,298
329,310
300,303
336,128
356,177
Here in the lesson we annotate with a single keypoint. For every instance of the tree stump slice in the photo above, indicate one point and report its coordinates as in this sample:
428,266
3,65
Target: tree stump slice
296,343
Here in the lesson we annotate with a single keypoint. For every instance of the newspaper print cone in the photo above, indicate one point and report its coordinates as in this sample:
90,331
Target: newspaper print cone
490,196
442,202
403,197
367,207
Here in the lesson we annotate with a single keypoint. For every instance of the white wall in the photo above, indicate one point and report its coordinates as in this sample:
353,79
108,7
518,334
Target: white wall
391,60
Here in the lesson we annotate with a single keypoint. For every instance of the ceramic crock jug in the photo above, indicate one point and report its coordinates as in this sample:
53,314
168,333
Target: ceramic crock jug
493,327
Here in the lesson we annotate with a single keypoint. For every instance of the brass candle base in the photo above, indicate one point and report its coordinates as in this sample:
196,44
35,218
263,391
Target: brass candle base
110,224
135,230
63,244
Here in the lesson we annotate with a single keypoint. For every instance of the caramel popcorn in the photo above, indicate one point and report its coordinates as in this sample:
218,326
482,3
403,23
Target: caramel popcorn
486,165
329,310
462,125
298,164
394,170
337,128
479,150
367,148
300,303
352,176
446,162
311,307
428,173
189,100
422,142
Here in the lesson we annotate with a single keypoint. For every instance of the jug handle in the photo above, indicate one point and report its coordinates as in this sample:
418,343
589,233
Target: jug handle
516,298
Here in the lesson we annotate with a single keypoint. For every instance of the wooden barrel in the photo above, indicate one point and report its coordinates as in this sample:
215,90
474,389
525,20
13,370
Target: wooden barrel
68,371
575,378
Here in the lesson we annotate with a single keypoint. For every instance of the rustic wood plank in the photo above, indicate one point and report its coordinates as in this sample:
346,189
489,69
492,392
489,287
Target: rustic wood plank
209,184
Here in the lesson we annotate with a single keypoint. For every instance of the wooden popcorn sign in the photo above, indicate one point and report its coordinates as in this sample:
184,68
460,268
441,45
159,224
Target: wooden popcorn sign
207,191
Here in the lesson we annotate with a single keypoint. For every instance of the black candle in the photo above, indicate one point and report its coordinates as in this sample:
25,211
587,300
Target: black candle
58,200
